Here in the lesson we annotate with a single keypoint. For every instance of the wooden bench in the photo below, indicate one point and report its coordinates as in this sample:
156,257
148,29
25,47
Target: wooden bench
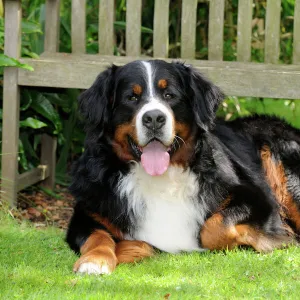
78,70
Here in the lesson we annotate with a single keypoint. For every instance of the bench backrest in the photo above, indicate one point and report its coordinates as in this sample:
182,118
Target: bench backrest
236,78
161,28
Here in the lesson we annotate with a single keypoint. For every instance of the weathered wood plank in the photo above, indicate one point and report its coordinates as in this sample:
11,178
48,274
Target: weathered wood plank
272,36
78,26
296,50
244,31
121,60
161,29
133,27
33,176
11,104
188,28
106,27
216,29
48,158
52,24
234,77
13,12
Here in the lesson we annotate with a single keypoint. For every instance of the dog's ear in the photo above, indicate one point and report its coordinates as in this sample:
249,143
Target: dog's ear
94,103
205,97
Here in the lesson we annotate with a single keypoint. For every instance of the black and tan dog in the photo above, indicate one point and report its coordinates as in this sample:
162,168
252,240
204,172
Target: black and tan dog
159,171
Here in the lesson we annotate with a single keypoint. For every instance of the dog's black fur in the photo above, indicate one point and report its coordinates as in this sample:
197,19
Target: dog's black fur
226,158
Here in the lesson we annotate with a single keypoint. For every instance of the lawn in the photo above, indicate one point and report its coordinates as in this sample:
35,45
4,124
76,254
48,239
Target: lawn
37,264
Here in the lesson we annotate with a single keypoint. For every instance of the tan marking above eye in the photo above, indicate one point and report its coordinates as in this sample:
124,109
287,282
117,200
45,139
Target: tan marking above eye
137,89
162,83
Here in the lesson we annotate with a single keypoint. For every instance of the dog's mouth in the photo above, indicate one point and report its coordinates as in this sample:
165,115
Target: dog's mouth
136,150
155,156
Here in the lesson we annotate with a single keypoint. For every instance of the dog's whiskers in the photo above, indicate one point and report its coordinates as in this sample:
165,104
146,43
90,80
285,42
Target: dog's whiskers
178,137
175,139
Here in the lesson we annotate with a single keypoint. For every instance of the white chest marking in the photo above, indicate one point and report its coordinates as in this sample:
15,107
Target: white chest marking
165,208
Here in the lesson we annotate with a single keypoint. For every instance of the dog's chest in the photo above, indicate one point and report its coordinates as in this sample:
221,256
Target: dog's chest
165,209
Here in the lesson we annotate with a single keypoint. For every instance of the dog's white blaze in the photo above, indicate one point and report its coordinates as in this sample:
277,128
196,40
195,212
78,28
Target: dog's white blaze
165,208
148,68
154,103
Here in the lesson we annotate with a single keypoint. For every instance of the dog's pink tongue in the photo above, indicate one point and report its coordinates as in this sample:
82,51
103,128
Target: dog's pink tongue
155,158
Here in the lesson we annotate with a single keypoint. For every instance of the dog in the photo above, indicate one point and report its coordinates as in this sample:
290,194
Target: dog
160,172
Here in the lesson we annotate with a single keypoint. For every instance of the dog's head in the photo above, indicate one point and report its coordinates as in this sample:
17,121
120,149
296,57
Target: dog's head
151,111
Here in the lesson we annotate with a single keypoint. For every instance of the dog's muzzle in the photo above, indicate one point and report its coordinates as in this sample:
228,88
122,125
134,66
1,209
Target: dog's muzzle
155,135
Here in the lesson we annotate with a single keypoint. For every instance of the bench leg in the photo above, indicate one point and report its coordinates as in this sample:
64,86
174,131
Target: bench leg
10,137
48,157
11,105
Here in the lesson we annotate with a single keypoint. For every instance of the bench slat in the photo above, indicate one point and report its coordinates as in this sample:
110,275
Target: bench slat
78,25
52,23
233,77
272,32
296,50
216,29
188,28
106,27
161,29
133,27
12,18
244,30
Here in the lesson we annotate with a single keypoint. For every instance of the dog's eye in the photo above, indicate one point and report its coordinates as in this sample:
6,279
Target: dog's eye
133,98
168,96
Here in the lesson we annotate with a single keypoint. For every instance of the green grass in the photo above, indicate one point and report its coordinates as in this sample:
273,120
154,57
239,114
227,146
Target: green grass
37,264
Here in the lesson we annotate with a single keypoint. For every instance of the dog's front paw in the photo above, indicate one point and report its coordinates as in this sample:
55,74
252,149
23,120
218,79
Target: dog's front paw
96,263
93,268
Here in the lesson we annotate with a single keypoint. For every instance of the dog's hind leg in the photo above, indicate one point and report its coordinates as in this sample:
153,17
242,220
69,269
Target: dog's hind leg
283,176
218,235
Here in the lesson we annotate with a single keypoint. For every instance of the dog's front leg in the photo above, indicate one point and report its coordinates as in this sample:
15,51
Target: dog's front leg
97,254
132,251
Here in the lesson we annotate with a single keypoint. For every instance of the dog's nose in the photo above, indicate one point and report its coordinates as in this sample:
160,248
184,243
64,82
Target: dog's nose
154,119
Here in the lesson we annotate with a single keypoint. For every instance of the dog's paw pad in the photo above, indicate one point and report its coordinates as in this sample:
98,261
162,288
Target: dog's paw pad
92,268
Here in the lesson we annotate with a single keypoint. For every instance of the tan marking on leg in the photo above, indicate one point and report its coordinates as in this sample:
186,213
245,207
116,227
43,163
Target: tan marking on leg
216,235
98,249
278,182
116,232
131,251
248,235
